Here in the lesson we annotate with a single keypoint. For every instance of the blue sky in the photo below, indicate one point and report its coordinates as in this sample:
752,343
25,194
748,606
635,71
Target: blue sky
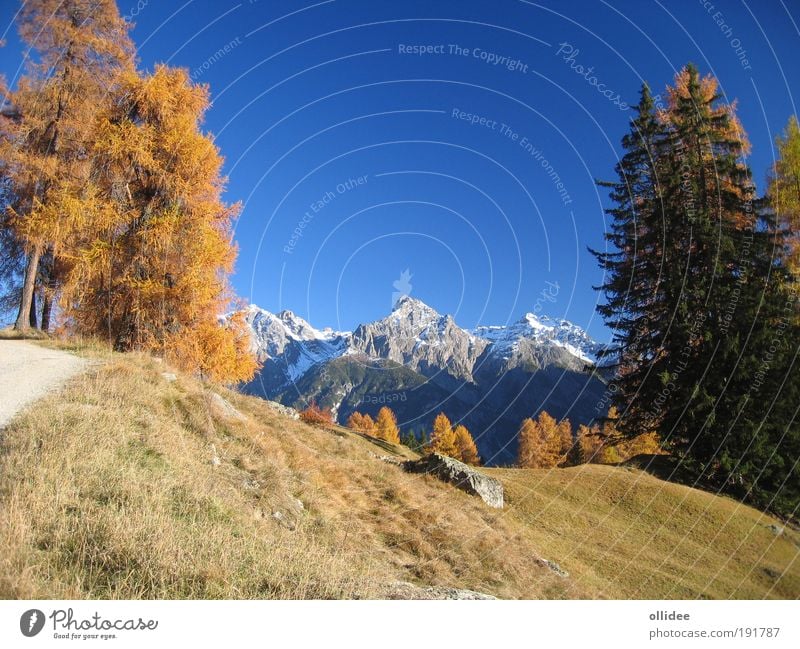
458,140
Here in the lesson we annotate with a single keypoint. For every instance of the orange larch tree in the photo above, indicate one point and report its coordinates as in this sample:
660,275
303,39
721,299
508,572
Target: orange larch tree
540,442
443,438
467,451
151,272
386,426
78,49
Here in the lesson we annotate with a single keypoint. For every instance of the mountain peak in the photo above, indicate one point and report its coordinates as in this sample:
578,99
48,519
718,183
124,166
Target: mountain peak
408,304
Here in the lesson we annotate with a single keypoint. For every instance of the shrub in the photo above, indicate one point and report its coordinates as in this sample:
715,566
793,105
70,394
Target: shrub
316,416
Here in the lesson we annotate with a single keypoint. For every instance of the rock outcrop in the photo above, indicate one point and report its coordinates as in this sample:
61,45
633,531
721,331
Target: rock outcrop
286,411
460,475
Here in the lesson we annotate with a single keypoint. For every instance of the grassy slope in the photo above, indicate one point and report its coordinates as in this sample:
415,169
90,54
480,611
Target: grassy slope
109,490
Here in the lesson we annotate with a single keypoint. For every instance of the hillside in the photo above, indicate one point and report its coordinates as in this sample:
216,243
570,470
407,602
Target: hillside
129,484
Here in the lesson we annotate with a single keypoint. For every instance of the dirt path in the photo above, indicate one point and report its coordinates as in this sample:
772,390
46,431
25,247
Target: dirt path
28,372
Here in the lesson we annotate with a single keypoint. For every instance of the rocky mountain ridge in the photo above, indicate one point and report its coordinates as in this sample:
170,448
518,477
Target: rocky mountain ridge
416,335
420,362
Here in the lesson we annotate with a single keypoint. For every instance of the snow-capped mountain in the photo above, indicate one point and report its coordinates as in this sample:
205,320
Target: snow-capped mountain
291,343
417,336
543,330
421,362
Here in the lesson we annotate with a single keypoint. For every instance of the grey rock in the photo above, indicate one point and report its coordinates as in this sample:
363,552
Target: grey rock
284,520
777,530
406,590
169,377
460,475
286,411
552,565
225,407
388,459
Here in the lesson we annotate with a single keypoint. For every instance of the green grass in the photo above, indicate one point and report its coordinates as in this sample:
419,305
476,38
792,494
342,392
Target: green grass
631,535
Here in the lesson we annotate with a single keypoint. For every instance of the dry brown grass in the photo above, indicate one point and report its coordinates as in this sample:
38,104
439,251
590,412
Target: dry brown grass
9,333
126,485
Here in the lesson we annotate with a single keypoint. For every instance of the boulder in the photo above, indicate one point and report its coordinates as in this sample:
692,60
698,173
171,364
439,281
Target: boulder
224,407
460,475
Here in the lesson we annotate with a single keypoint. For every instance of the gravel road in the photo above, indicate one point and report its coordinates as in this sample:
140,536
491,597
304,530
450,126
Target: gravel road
28,372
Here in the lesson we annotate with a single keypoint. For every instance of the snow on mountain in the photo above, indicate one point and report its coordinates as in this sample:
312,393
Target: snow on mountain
419,337
544,330
291,342
413,334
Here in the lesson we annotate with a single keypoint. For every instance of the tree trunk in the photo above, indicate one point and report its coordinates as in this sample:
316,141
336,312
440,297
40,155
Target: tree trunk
31,269
47,309
32,315
48,267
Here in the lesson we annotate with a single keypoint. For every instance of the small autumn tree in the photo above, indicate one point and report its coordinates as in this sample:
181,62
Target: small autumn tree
386,426
361,423
443,438
540,442
577,452
590,442
467,451
315,415
355,421
565,437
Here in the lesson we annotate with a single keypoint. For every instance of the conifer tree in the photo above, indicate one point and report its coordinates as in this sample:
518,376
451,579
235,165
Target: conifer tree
79,47
539,442
151,272
413,441
783,194
443,438
635,306
386,426
467,451
701,312
709,198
